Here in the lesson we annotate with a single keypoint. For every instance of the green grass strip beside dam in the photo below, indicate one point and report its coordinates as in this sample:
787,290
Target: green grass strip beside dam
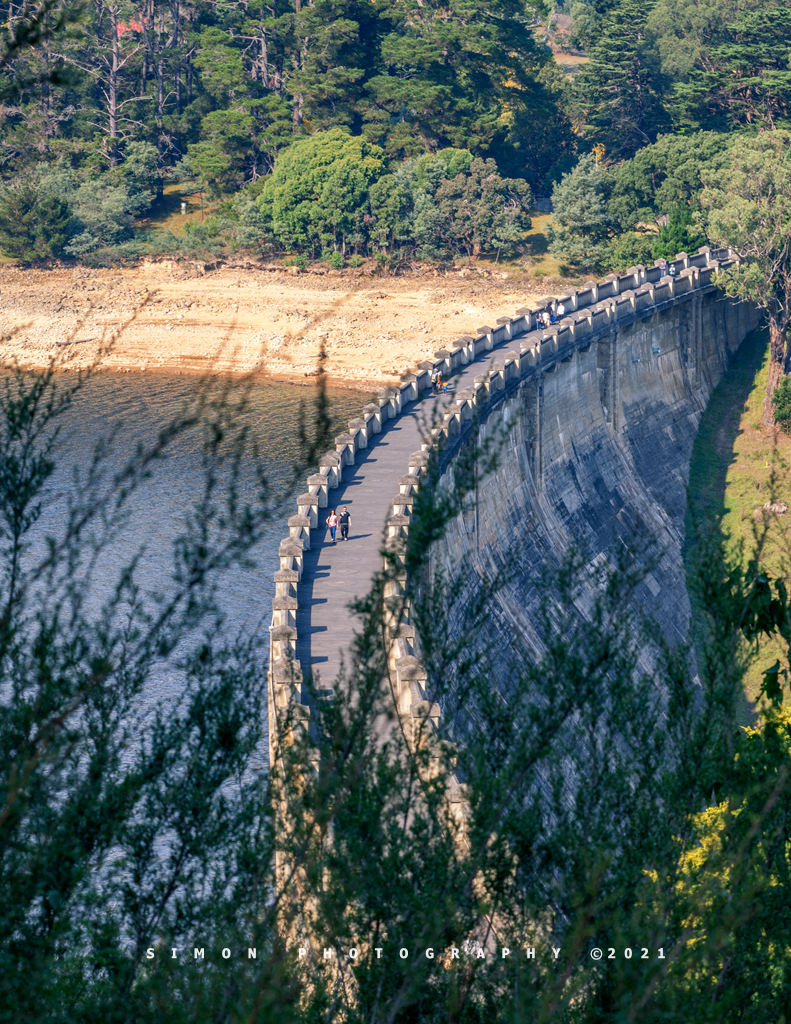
735,469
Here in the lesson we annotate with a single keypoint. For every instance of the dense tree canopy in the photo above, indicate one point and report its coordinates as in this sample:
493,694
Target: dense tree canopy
724,64
582,221
618,87
411,78
747,199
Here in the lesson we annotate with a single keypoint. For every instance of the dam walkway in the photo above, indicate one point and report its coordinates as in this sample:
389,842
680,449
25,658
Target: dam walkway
312,628
335,575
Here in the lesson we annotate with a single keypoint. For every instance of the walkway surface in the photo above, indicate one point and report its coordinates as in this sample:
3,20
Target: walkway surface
334,575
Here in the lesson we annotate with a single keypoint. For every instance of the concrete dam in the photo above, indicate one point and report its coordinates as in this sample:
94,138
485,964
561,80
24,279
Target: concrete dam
594,420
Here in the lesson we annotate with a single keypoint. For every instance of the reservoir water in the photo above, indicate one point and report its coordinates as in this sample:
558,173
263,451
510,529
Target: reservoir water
132,409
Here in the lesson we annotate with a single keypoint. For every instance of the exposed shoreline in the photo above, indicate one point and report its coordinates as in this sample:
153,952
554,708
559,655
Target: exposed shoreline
183,318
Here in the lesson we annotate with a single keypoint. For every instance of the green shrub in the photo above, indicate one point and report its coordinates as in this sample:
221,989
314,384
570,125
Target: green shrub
317,193
782,404
336,260
35,222
629,250
679,234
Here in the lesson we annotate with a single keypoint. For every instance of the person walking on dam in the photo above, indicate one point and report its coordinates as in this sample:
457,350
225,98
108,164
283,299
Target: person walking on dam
332,523
345,520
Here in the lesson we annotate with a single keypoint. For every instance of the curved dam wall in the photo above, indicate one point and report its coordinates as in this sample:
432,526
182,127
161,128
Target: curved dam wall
594,444
595,418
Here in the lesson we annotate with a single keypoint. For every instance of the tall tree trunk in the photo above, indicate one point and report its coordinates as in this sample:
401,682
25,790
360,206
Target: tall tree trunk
112,88
777,368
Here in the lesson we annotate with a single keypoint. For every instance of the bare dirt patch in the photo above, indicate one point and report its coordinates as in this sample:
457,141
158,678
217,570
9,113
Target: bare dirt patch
183,318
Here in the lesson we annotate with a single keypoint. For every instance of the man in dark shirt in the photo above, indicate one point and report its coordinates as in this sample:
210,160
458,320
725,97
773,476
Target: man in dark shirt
345,520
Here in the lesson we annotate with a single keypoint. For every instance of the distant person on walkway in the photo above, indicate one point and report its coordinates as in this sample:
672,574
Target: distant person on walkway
561,311
435,379
345,520
662,267
672,270
332,523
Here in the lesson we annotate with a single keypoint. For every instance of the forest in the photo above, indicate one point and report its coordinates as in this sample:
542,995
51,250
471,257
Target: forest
348,128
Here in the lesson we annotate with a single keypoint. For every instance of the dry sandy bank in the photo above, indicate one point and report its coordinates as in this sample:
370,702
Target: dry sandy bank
186,318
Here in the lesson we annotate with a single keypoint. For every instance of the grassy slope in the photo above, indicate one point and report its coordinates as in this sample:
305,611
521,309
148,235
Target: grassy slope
542,264
165,215
736,467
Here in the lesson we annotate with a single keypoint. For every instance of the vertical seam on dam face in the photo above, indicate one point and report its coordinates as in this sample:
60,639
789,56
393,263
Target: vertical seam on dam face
615,370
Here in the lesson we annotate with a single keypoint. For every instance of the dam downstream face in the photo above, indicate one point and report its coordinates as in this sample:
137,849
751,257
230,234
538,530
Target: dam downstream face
593,458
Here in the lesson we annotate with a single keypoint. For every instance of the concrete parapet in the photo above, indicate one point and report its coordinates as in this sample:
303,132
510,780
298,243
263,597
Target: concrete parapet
624,306
506,325
402,505
457,356
307,505
409,392
465,405
549,347
706,275
608,287
318,485
683,283
481,386
397,525
452,424
359,433
563,337
385,404
663,291
632,279
284,642
285,671
600,318
409,674
390,402
290,554
299,530
425,720
423,381
418,462
346,448
402,643
483,340
442,362
284,611
499,335
409,484
330,465
373,414
286,581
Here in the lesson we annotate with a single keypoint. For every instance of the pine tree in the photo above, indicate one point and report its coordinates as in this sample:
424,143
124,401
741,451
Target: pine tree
617,89
724,66
34,222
